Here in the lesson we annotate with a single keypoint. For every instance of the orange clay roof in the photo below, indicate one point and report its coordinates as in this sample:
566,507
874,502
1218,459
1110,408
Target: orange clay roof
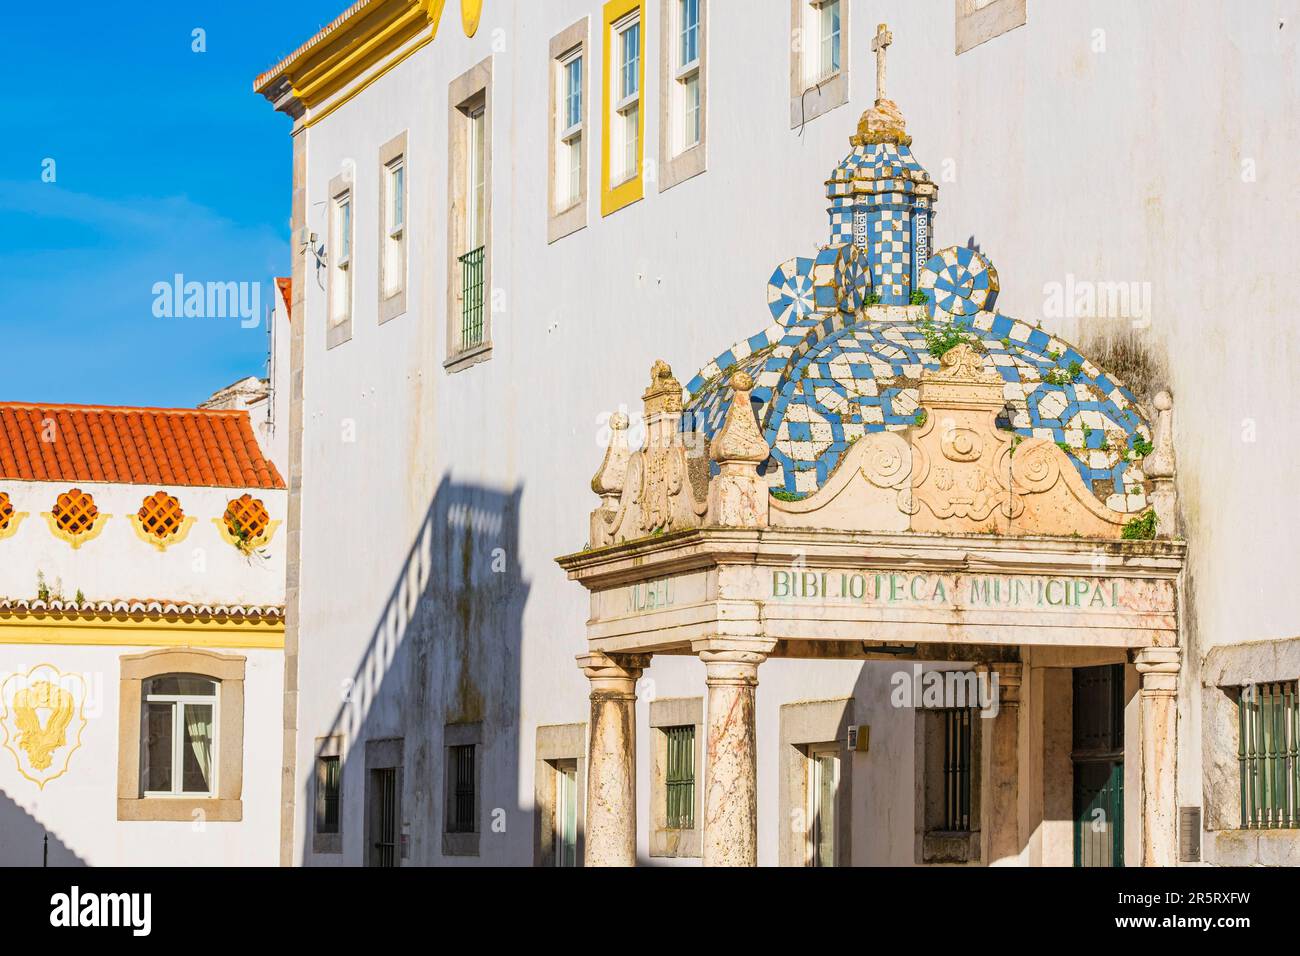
139,446
285,285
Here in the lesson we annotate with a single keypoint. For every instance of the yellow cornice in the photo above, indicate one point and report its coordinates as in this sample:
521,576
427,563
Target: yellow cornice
343,53
130,632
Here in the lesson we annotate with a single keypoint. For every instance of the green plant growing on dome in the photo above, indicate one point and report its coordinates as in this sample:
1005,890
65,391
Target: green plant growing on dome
920,417
1142,447
1062,376
1142,528
871,298
938,341
917,298
1064,447
780,494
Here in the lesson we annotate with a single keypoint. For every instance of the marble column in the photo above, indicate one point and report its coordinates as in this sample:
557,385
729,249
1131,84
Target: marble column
611,768
731,770
1002,798
1158,668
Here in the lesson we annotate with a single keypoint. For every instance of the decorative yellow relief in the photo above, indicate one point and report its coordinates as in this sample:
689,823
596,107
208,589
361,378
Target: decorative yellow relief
11,526
470,11
252,544
43,749
76,540
162,544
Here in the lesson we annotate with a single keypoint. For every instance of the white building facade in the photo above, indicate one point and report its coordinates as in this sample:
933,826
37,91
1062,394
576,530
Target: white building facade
141,637
504,212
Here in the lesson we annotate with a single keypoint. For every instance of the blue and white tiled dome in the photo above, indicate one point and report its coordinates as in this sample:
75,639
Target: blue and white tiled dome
853,325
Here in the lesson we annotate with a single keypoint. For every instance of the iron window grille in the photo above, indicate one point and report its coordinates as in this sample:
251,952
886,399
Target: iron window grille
461,817
385,790
329,805
1268,751
471,319
957,723
680,777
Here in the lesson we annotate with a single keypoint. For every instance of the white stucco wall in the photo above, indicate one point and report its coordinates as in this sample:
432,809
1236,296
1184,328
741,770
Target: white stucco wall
79,808
201,568
1057,159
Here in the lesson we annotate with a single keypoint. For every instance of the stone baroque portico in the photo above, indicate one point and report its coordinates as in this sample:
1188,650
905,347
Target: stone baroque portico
891,471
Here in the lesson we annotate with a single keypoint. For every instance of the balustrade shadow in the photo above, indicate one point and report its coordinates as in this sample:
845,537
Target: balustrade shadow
23,840
444,650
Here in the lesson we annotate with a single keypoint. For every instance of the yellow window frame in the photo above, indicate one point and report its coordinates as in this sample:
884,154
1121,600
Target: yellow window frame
625,193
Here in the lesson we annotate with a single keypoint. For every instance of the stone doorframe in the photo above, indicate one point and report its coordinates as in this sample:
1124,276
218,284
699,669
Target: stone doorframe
735,597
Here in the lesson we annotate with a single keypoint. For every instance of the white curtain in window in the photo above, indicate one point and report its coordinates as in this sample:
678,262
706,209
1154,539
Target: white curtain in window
198,728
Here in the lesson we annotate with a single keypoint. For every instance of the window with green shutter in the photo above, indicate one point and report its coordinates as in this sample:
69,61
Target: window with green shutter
680,777
1268,751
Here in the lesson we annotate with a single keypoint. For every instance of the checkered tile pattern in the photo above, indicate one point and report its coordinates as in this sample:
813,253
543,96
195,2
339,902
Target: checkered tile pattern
827,371
874,193
829,378
959,282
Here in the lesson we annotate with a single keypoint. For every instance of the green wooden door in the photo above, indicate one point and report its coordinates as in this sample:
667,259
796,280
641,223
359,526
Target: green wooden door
1098,755
1098,813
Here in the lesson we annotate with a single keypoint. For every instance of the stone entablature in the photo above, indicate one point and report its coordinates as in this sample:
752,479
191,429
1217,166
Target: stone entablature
664,594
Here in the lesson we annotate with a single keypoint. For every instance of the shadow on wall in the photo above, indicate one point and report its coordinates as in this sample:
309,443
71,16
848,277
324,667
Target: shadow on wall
442,667
22,839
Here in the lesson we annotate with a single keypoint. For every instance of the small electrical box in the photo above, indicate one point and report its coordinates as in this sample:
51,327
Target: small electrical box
860,738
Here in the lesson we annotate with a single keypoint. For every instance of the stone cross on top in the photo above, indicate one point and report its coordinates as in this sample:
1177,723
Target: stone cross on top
882,39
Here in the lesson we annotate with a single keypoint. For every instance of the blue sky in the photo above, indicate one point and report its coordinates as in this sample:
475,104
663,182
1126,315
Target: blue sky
165,162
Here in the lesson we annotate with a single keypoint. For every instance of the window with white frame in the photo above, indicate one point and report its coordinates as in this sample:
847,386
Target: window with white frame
687,65
822,41
341,259
822,804
566,813
819,60
475,187
179,736
394,225
569,170
626,119
469,223
570,140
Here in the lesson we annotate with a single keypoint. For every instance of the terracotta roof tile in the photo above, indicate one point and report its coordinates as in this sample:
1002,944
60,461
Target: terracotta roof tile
285,285
143,446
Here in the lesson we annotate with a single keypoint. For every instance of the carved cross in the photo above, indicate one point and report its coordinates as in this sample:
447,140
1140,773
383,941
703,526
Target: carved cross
882,39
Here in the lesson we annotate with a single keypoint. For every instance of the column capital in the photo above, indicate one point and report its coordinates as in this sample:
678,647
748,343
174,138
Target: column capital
1159,668
731,661
613,673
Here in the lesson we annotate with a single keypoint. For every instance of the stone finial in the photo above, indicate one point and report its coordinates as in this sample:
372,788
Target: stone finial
609,478
883,122
664,393
739,439
1160,463
1159,467
960,378
738,497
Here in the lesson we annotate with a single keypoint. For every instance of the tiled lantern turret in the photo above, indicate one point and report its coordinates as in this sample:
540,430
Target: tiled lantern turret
846,349
881,199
